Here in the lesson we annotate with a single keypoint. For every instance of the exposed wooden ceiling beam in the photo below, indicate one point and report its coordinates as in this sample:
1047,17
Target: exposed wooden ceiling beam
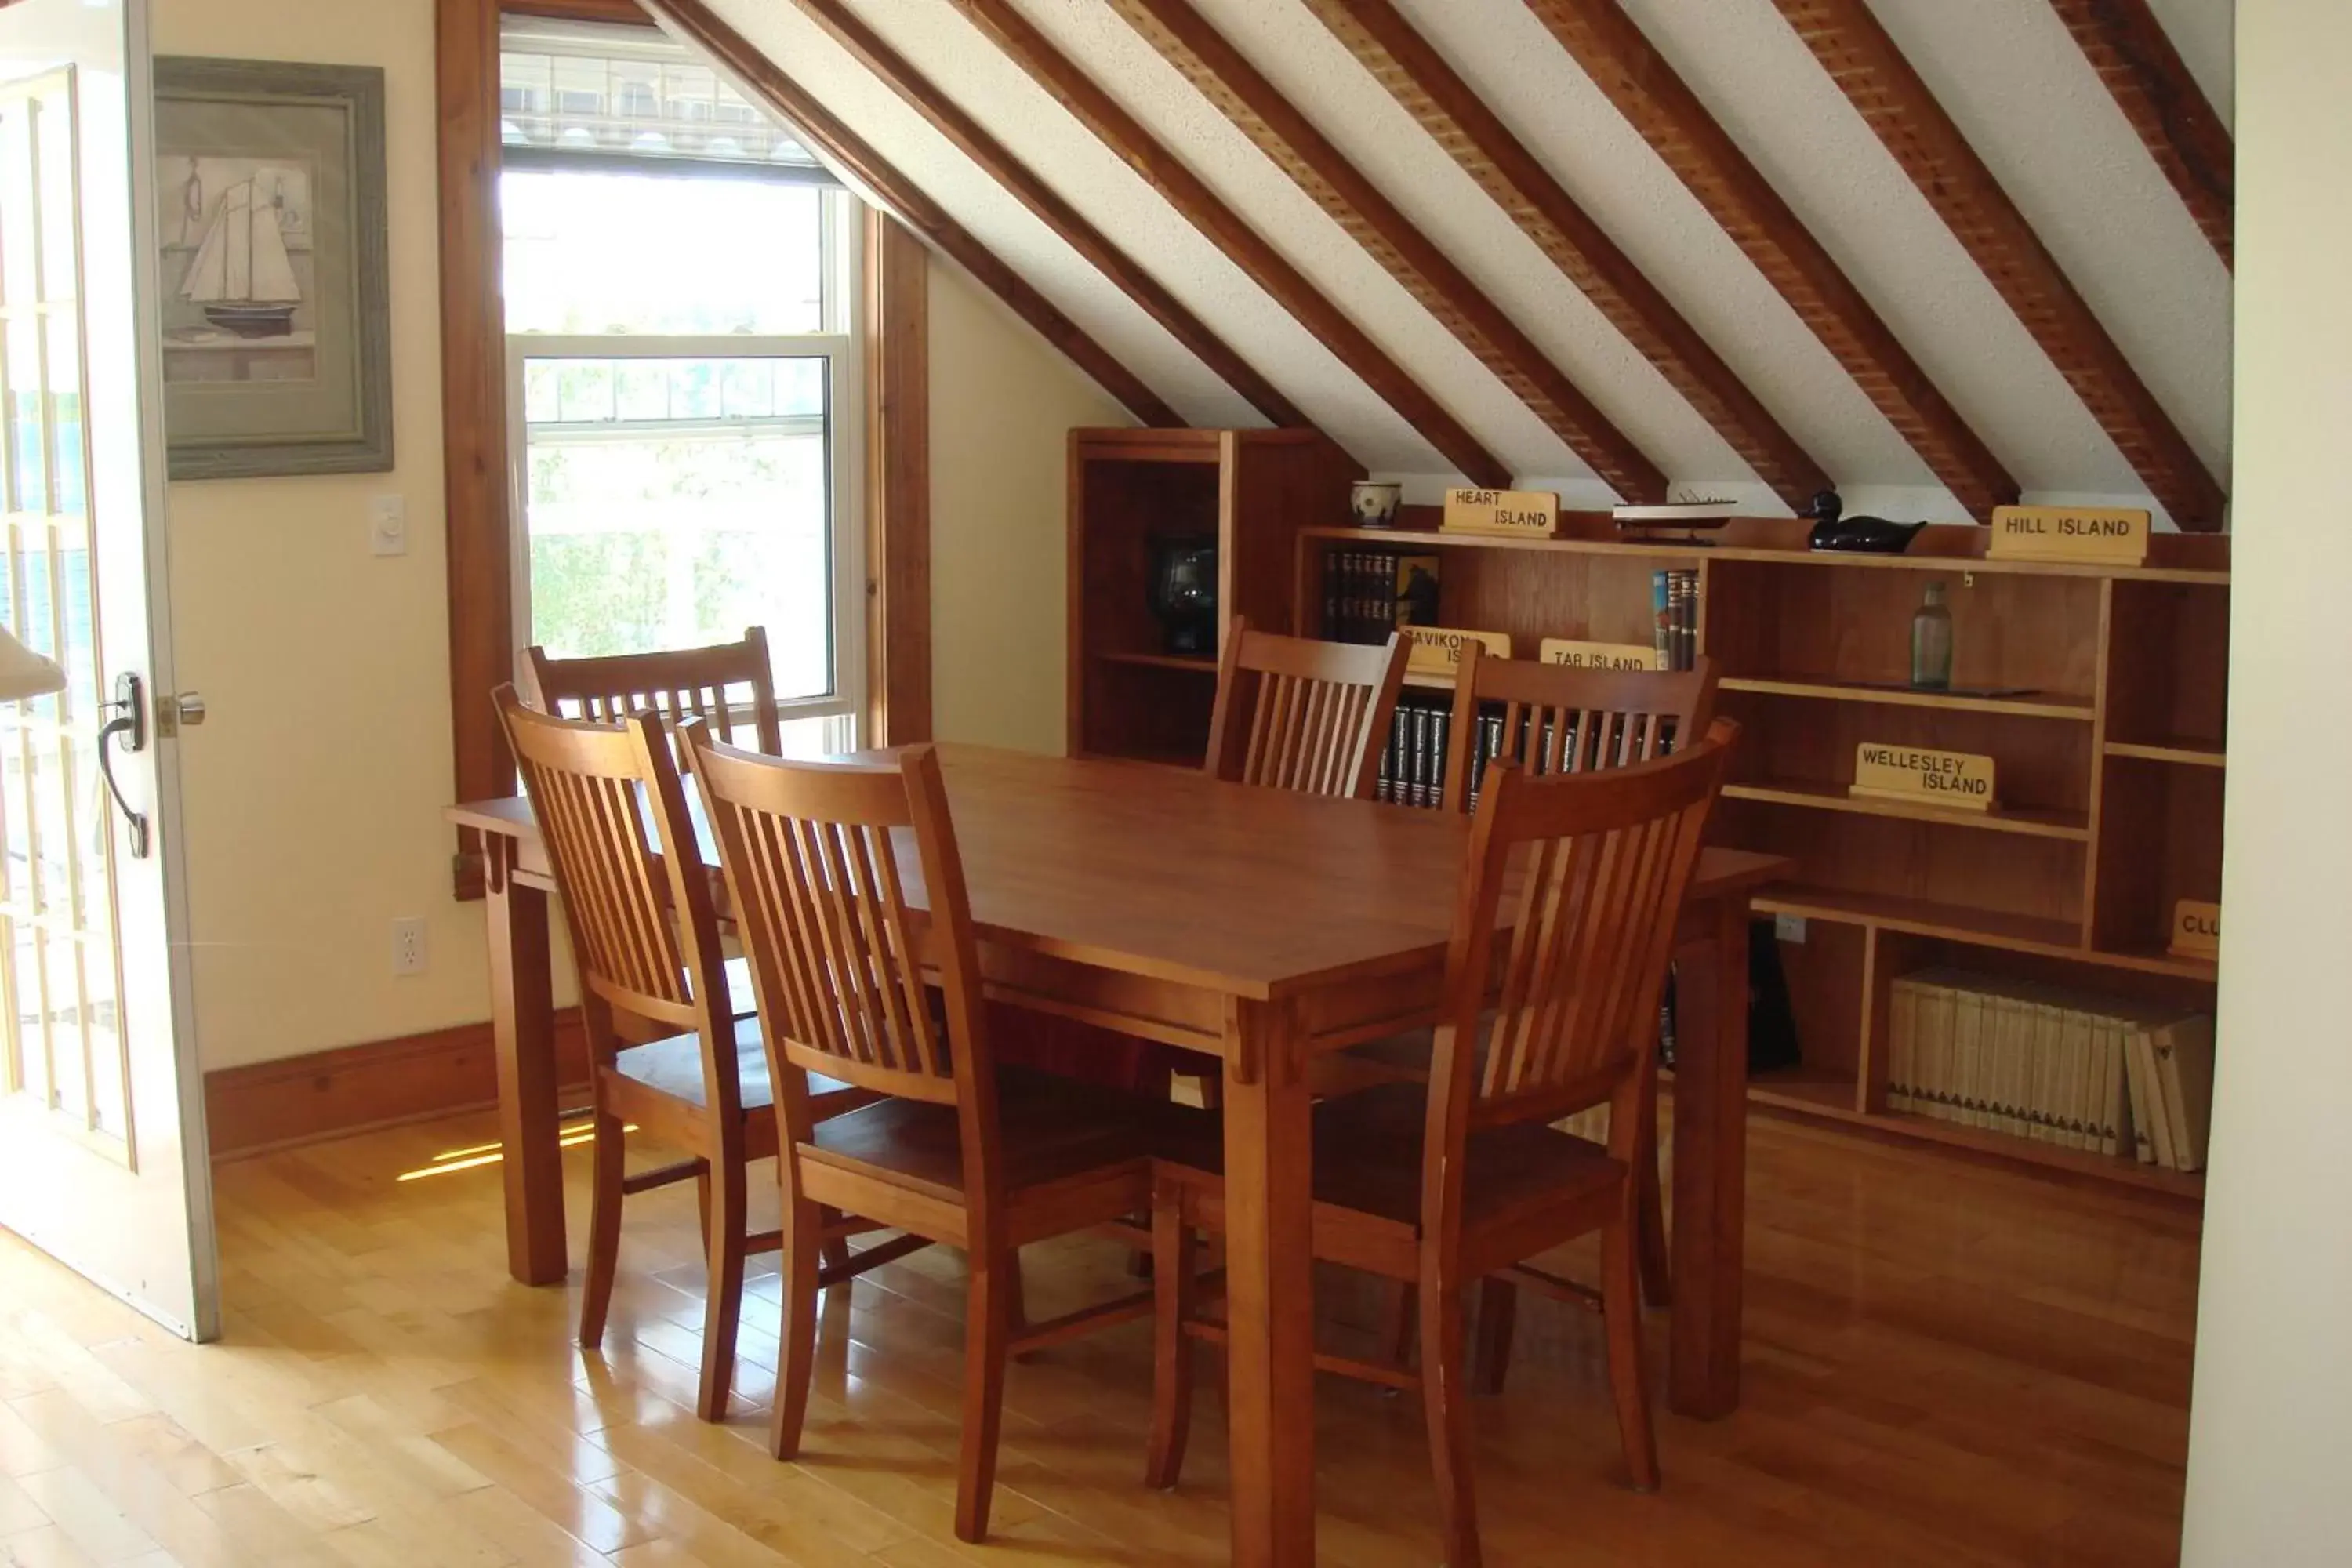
1880,83
1636,78
1258,108
1190,196
1451,111
998,162
824,131
2130,50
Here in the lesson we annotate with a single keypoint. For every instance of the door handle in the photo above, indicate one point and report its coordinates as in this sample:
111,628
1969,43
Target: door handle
129,726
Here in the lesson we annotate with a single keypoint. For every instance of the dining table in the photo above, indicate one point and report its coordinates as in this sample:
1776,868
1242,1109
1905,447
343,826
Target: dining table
1257,927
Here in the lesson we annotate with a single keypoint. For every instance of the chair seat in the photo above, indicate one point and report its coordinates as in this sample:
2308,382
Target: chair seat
1368,1161
673,1066
1050,1129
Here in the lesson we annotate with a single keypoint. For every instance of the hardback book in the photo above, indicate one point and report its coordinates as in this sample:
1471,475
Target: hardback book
2184,1067
1935,1095
1968,1021
1902,1045
2074,1086
2151,1094
1661,626
2139,1072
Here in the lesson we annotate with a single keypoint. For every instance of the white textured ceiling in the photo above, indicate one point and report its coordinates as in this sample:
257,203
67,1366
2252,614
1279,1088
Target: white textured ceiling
2004,70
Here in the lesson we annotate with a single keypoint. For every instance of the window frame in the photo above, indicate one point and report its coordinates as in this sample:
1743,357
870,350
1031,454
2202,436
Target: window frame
842,344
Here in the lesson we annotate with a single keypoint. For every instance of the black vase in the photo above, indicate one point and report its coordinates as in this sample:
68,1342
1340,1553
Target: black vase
1184,591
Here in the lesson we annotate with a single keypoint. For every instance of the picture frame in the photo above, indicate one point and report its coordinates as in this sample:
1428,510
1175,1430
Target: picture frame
274,286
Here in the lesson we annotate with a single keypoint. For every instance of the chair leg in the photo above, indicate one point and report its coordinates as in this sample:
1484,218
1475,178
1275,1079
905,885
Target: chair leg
1499,1315
1400,1322
1658,1274
988,1333
835,1253
603,1229
1447,1409
1621,1308
1173,1270
722,1310
702,1203
796,1350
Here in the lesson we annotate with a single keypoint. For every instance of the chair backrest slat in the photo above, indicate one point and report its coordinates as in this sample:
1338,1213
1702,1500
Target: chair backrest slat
1592,867
644,932
1559,719
1297,714
678,684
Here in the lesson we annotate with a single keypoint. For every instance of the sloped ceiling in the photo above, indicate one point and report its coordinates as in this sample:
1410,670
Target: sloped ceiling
2005,70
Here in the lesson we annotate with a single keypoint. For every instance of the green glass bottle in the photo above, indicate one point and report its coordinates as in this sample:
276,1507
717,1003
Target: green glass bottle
1931,643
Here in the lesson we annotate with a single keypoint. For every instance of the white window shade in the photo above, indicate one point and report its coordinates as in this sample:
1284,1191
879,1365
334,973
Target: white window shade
569,92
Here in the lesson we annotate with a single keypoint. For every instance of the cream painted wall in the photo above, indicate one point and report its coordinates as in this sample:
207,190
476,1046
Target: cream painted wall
314,790
2270,1415
1001,405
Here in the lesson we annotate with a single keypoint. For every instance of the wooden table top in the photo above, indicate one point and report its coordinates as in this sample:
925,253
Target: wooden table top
1168,873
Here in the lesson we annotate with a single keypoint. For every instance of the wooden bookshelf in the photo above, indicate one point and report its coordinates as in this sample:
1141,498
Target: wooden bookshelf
2102,704
1128,695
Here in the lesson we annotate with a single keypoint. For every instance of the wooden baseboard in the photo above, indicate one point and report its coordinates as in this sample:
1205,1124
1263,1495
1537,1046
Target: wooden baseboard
327,1094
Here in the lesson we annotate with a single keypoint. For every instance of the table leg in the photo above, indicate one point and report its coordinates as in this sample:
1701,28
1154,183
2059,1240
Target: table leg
1269,1289
1710,1161
522,1024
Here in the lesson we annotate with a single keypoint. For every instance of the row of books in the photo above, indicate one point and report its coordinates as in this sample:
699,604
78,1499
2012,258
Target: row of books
1674,610
1368,593
1412,768
2082,1072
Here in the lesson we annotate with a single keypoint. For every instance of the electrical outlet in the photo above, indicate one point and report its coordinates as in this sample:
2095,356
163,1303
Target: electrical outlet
388,525
1789,928
408,945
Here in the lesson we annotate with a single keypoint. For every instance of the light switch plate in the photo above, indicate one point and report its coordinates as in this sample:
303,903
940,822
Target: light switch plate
388,526
1789,928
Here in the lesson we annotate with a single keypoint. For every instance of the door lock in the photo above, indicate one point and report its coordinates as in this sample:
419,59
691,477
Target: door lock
173,713
129,725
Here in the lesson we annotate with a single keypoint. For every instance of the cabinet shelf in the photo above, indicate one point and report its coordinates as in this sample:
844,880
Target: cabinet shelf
2074,826
1162,661
2077,709
2189,754
1974,927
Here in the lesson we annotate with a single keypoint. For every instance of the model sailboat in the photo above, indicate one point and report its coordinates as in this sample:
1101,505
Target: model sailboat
241,275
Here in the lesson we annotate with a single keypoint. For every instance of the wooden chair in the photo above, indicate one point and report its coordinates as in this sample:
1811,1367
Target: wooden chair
681,683
1442,1186
665,1049
1559,719
1294,713
1555,719
818,858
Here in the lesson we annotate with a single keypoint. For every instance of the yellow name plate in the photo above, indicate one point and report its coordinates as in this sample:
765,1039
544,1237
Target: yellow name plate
1958,779
1598,655
2196,929
1516,514
2101,536
1437,650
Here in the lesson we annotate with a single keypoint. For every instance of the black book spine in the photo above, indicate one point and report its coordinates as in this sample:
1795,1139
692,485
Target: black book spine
1422,739
1331,559
1349,577
1441,755
1386,606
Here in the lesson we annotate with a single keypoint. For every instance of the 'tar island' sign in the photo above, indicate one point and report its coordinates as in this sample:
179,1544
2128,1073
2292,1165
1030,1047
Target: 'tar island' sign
2099,536
1962,780
1516,514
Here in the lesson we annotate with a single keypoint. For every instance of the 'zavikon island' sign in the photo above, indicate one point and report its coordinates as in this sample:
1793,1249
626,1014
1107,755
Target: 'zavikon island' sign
2102,536
1437,650
1960,780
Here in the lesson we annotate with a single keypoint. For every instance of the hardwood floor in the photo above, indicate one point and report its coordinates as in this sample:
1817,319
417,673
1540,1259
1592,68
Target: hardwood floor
1945,1364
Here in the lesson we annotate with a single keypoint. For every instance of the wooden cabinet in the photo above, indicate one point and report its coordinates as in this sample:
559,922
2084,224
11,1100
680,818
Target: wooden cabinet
1128,695
2098,692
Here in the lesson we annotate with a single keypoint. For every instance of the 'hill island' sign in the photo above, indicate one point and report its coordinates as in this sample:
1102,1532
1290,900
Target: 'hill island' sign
2099,536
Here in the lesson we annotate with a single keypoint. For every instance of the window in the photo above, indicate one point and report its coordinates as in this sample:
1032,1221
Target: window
680,293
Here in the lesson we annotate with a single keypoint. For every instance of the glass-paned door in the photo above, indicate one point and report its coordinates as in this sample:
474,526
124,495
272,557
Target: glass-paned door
101,1145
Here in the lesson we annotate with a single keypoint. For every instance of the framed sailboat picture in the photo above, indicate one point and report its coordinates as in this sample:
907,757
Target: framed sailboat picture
270,228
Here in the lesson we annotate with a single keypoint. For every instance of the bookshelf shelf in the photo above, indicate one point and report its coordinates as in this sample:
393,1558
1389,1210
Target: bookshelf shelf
2109,753
2073,827
2076,709
2189,754
1162,661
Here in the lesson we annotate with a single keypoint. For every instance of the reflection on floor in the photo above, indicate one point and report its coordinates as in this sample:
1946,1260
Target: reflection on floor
1946,1365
